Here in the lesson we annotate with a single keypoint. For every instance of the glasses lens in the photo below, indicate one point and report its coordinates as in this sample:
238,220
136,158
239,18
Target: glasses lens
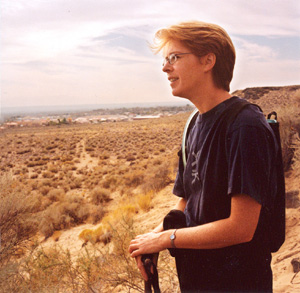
172,59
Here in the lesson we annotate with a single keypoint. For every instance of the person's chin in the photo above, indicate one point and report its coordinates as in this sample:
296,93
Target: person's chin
178,94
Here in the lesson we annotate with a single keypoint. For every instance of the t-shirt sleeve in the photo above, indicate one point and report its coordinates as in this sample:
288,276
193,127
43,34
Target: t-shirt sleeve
250,156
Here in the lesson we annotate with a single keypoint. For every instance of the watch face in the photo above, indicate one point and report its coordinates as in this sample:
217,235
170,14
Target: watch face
172,237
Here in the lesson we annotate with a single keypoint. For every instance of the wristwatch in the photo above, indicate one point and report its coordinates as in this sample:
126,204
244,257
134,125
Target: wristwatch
172,238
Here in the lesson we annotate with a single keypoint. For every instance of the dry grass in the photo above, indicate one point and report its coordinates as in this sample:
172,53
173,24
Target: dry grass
144,201
289,131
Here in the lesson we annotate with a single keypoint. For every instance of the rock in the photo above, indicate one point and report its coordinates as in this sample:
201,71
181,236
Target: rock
296,264
292,199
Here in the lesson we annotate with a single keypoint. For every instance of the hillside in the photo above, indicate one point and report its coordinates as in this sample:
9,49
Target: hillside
271,98
72,197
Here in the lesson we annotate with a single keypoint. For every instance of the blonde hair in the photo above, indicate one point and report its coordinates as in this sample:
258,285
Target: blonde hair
202,38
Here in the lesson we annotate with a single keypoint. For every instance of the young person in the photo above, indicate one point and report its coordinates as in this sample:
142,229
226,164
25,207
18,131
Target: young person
226,190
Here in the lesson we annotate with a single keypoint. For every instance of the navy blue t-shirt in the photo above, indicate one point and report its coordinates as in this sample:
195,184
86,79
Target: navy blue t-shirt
241,161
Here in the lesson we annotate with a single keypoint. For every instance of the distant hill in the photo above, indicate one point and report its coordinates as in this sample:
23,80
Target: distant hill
270,98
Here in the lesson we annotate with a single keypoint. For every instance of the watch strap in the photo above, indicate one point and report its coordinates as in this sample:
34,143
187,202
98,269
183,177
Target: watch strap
173,237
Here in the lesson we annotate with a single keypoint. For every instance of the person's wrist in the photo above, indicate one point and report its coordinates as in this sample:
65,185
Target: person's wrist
165,237
172,238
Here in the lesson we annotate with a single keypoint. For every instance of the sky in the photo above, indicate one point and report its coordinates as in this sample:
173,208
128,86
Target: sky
79,52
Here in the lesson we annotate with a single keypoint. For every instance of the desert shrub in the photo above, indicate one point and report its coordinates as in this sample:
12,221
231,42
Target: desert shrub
119,271
34,175
134,178
53,168
57,217
47,174
23,151
73,197
89,149
86,235
296,159
76,183
289,122
36,163
46,227
157,162
65,214
109,182
130,158
100,234
50,270
56,194
144,201
16,222
66,159
100,195
91,213
104,156
124,213
34,202
44,190
158,178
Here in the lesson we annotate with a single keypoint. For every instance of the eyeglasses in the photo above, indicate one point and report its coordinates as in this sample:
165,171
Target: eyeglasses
172,58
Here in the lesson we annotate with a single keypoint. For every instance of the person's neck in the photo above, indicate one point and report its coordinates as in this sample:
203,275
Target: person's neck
210,98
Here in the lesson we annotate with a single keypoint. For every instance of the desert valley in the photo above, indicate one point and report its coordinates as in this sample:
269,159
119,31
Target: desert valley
72,196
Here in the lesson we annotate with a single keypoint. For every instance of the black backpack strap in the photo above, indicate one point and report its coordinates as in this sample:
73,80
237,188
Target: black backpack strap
278,225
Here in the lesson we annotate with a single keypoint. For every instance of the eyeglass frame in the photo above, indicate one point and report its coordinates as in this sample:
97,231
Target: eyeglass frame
173,55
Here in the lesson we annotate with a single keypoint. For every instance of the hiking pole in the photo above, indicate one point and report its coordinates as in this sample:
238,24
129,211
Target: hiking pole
147,260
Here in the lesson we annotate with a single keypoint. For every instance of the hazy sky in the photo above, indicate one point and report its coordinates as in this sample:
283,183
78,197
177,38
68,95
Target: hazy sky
67,52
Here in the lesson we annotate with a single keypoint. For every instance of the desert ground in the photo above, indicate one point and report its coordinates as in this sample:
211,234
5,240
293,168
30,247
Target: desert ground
73,196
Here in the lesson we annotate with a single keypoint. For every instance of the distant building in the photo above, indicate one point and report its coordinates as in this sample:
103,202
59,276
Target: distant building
81,120
11,124
141,117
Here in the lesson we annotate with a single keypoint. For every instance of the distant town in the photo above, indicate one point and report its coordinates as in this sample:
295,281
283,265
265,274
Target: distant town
92,117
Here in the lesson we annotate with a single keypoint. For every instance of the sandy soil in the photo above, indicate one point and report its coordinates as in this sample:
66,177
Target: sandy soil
282,267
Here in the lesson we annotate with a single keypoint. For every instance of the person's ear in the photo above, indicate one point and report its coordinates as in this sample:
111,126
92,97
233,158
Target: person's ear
210,61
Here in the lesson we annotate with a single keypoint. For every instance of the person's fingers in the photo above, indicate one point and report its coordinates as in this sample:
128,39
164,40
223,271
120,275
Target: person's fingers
136,253
141,267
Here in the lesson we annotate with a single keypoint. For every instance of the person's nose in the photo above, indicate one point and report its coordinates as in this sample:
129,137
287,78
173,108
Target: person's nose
167,67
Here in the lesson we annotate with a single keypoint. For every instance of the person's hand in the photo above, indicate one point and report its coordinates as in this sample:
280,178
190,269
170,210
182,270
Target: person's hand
146,244
149,243
141,267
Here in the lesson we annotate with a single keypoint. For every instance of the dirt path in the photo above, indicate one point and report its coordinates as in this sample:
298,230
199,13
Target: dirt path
85,159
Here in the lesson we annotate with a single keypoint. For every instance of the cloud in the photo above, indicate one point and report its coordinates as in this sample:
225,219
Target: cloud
89,51
261,65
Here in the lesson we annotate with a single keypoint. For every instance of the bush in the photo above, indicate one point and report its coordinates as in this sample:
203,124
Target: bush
100,234
160,178
109,182
144,201
100,195
65,214
296,159
16,222
44,190
56,194
289,123
134,178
